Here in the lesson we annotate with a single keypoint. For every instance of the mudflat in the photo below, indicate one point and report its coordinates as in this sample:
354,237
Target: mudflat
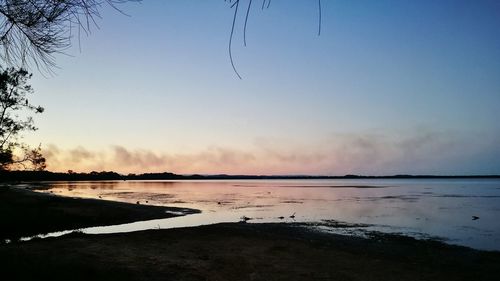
242,251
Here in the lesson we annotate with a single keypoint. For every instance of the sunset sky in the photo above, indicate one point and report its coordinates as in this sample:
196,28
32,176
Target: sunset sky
389,87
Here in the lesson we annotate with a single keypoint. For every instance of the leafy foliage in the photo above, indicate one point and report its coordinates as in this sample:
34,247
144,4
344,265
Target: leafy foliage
14,92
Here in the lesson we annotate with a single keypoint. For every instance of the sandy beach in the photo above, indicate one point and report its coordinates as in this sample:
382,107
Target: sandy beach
233,251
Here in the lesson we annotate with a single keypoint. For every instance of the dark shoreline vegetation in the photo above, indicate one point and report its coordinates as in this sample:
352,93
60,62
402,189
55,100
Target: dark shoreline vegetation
227,251
7,176
26,213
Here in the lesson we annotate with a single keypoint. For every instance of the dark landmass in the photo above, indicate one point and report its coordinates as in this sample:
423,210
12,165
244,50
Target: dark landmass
12,176
26,213
242,251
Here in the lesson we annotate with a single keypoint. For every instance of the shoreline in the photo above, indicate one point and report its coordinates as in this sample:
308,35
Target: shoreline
242,251
24,213
36,176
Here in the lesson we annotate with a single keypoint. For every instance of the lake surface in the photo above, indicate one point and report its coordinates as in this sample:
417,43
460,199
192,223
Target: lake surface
442,208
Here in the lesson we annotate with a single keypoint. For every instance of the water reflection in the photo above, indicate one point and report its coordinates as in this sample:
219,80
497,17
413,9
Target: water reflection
440,207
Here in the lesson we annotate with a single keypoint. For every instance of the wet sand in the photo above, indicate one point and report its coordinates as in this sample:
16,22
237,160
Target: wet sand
26,213
242,252
235,251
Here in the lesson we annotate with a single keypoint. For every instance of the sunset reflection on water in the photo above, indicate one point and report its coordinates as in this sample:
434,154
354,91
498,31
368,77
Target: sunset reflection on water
439,207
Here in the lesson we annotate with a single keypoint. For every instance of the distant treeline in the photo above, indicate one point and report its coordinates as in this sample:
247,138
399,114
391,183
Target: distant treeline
72,176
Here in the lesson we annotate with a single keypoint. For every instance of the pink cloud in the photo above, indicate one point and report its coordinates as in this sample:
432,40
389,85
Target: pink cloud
423,152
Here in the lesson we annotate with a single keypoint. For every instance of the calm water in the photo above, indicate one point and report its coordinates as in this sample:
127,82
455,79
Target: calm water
441,208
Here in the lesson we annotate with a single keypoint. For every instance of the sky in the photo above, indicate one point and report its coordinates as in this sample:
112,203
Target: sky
389,87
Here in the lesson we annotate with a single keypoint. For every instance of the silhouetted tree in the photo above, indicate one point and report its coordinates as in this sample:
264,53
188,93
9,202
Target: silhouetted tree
14,102
32,31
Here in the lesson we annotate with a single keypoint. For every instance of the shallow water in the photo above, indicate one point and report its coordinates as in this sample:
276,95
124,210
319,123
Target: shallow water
442,208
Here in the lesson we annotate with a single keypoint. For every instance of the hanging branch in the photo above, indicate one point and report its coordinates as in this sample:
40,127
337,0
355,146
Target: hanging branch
319,17
265,4
231,37
33,31
246,21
